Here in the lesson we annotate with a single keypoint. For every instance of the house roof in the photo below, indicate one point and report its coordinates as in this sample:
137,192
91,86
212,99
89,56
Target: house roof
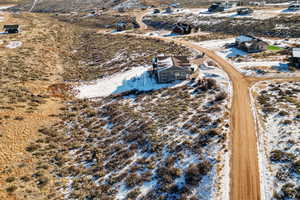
244,38
296,52
15,26
181,61
165,62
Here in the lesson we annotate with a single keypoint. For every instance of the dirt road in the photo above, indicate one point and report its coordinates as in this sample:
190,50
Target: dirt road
245,179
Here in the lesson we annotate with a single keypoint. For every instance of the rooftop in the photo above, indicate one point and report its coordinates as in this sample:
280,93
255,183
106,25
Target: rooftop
244,38
169,61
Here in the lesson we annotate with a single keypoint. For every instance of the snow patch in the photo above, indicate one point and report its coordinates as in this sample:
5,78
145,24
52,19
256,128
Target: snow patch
137,78
14,44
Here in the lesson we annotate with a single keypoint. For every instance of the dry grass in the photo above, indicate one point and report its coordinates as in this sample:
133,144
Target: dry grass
97,55
96,145
26,104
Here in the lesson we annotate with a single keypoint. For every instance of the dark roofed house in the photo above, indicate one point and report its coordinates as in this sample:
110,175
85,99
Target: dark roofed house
156,11
11,28
171,68
122,25
216,7
168,10
244,11
250,44
295,58
294,6
182,28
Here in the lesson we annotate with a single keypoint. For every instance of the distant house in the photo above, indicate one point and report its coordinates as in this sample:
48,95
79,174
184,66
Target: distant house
156,11
250,44
230,4
121,10
168,10
244,11
294,6
182,28
171,68
11,28
216,7
122,26
256,3
295,58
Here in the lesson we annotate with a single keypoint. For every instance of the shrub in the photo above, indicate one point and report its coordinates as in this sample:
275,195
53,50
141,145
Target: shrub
10,179
283,174
11,189
33,147
296,166
25,178
280,156
221,96
133,194
133,180
289,190
283,113
286,122
194,173
19,118
42,182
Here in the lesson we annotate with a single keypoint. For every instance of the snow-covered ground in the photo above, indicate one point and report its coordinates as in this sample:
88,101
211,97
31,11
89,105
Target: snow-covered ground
278,131
14,44
273,66
5,7
215,185
231,13
137,78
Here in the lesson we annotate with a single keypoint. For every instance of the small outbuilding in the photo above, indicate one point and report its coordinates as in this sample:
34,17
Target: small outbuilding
171,68
11,28
295,58
250,44
182,28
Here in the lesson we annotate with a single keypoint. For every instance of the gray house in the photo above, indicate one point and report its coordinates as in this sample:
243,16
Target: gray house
171,68
250,44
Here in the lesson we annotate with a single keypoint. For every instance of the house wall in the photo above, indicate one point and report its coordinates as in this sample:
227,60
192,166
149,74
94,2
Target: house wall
295,62
172,74
255,47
